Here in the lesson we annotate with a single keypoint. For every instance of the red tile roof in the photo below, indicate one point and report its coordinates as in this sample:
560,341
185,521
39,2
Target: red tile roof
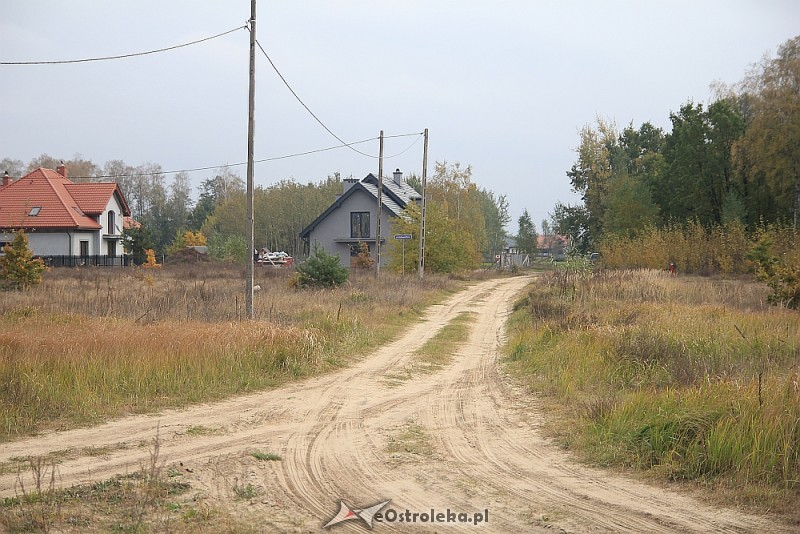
61,203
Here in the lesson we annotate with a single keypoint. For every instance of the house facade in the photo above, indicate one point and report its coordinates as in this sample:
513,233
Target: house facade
352,218
63,219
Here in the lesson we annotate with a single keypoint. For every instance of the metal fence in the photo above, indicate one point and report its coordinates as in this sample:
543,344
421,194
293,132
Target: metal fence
86,261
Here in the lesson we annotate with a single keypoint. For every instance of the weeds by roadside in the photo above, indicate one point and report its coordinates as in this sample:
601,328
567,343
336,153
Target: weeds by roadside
685,378
138,502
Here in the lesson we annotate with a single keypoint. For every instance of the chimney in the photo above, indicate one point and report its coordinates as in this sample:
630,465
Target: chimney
62,169
347,183
398,177
6,179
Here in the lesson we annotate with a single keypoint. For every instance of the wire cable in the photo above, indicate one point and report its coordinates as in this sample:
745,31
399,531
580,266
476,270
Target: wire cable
122,56
197,169
286,83
344,143
263,160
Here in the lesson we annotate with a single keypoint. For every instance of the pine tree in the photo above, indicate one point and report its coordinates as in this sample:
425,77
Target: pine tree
527,241
321,270
18,268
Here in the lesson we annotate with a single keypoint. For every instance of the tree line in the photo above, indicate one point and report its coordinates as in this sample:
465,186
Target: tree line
466,223
735,160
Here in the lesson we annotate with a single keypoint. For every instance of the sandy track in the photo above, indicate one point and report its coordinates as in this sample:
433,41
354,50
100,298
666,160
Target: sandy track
461,438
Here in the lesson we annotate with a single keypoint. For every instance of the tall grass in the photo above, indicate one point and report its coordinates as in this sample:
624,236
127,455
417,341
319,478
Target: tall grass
687,378
97,343
694,248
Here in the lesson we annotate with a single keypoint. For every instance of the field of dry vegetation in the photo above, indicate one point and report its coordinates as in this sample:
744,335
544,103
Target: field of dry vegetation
93,344
684,378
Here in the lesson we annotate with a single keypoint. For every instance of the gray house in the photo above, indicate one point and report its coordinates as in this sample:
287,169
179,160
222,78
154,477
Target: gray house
352,218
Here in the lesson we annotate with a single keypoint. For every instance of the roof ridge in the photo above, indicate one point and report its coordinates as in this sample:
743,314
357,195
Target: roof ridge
50,180
60,198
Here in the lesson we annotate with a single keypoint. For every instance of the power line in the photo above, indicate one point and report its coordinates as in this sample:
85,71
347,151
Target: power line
286,83
263,160
122,56
344,144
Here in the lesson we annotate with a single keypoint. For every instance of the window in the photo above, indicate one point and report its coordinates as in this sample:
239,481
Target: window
84,248
112,247
111,228
359,224
35,211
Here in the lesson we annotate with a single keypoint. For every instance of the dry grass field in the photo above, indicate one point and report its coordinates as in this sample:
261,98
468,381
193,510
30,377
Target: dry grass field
92,344
685,378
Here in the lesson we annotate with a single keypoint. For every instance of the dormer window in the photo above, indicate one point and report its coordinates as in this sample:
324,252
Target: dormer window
34,211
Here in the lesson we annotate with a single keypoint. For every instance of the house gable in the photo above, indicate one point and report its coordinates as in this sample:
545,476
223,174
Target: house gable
394,199
47,201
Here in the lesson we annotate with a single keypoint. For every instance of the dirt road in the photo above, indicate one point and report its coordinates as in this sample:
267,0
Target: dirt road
461,439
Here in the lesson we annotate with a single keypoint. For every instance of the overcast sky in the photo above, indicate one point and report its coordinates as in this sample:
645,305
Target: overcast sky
502,85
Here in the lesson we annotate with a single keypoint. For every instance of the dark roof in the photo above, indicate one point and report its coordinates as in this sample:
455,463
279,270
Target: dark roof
395,198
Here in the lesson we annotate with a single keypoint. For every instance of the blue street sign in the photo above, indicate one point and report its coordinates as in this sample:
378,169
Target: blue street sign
403,236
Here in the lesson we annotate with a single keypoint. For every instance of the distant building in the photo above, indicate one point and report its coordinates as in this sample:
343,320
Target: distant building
552,246
63,219
352,218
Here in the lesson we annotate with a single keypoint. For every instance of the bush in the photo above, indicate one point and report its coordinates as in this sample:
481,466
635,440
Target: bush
777,263
364,259
321,270
18,268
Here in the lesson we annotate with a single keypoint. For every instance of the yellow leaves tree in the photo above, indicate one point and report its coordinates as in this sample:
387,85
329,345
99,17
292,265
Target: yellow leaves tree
449,247
187,239
150,262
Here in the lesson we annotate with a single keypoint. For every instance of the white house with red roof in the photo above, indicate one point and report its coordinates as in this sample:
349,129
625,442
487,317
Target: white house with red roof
62,218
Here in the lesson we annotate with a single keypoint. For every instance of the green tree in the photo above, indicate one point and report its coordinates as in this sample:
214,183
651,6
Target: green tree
281,212
527,240
629,207
448,247
573,221
590,175
225,186
321,269
457,200
768,155
179,204
699,169
495,217
18,268
229,248
136,241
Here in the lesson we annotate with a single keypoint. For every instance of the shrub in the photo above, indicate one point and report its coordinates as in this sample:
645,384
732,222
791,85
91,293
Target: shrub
364,259
18,268
777,263
321,270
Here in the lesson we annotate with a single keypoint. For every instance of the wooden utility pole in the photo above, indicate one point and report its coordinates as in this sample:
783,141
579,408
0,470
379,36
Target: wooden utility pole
251,123
380,210
421,268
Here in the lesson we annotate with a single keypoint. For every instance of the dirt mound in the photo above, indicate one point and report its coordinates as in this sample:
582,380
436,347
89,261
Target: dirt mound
188,255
